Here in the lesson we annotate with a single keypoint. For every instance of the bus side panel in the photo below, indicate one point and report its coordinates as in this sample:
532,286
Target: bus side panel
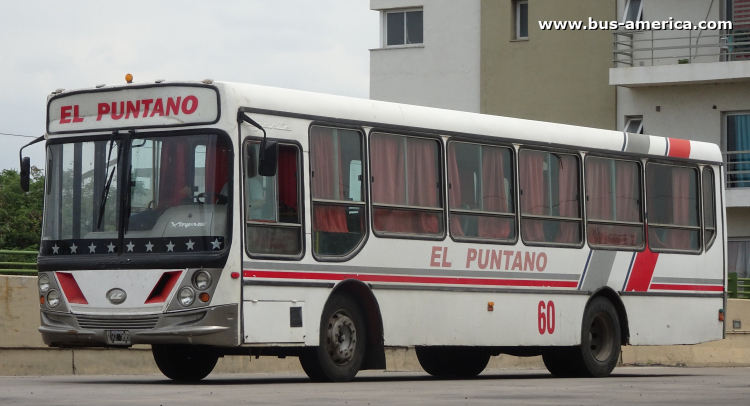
267,314
673,320
463,318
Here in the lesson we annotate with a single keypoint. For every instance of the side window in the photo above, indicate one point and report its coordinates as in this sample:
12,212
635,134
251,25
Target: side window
672,203
338,219
613,203
709,206
480,191
406,181
550,204
272,204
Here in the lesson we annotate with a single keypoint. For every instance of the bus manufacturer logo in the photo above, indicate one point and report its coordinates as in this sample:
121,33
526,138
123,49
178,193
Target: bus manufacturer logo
116,296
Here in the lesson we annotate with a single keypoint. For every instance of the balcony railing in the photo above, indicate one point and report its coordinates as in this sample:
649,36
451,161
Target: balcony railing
737,169
651,48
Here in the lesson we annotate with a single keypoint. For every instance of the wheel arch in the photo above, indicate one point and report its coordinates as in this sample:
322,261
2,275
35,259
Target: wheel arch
363,296
622,314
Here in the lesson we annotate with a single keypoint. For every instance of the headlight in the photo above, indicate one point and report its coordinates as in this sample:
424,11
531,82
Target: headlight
53,298
186,296
43,283
201,280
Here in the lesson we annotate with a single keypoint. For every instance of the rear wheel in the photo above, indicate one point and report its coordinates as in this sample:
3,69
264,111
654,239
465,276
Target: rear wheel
341,352
459,362
184,362
600,345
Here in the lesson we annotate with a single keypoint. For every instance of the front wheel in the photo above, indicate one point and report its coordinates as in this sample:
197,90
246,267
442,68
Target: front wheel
341,351
184,362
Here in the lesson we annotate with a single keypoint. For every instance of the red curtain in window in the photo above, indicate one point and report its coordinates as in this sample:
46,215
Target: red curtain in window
681,179
531,173
628,191
327,218
173,185
217,167
423,183
493,194
389,183
568,194
599,189
456,200
287,177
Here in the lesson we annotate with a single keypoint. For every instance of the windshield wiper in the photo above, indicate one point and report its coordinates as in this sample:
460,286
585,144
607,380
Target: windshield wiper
105,192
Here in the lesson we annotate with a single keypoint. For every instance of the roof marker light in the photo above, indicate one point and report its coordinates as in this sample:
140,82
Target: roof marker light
208,81
101,85
129,78
158,80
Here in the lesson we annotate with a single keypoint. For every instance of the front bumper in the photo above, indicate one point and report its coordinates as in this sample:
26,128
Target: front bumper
217,326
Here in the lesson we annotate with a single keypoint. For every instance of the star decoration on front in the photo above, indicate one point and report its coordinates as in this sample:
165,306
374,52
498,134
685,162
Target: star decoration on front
216,244
190,244
55,249
73,249
111,247
130,246
170,247
92,248
149,247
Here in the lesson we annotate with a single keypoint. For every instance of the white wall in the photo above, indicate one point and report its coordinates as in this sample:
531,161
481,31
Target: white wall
444,72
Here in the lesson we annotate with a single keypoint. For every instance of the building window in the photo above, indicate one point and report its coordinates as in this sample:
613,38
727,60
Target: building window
613,203
274,226
549,189
738,251
709,206
737,147
403,27
338,214
633,11
521,20
406,192
634,125
673,220
480,192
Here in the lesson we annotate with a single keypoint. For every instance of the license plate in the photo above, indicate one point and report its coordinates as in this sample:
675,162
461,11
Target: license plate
118,337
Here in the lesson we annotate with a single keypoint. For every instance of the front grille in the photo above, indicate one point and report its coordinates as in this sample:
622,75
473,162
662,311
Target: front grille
117,322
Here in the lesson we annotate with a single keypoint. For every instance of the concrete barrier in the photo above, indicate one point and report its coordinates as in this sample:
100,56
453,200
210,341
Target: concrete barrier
22,351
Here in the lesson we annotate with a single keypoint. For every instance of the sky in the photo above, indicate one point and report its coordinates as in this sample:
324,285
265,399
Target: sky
319,46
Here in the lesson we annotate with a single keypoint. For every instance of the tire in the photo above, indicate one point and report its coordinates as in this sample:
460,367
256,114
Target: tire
183,362
456,362
599,351
343,342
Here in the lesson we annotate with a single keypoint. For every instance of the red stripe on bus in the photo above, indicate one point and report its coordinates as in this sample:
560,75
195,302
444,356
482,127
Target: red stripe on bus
703,288
408,279
70,287
643,270
679,148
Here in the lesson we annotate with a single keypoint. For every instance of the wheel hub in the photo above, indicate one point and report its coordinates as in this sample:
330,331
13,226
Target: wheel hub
601,334
341,338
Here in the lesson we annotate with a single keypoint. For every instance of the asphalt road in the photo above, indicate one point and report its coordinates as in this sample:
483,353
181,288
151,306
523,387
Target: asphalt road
641,385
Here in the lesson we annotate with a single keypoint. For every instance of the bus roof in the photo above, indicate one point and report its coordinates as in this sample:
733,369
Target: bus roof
367,113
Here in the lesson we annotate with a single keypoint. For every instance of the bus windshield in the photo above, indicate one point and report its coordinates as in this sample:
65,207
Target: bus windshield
177,195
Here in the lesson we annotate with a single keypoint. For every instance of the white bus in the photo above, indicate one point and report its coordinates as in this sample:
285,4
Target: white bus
211,219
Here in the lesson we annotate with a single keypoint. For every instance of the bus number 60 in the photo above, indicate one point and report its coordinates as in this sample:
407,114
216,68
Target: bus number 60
546,322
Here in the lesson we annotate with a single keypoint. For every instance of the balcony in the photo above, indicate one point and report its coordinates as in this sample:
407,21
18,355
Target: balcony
662,58
737,178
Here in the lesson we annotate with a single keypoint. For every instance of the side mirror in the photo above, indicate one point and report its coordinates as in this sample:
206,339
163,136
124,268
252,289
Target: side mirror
25,173
251,161
269,155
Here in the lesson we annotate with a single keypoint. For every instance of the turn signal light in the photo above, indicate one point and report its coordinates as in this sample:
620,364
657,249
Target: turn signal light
490,306
204,297
129,78
235,275
721,314
41,299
